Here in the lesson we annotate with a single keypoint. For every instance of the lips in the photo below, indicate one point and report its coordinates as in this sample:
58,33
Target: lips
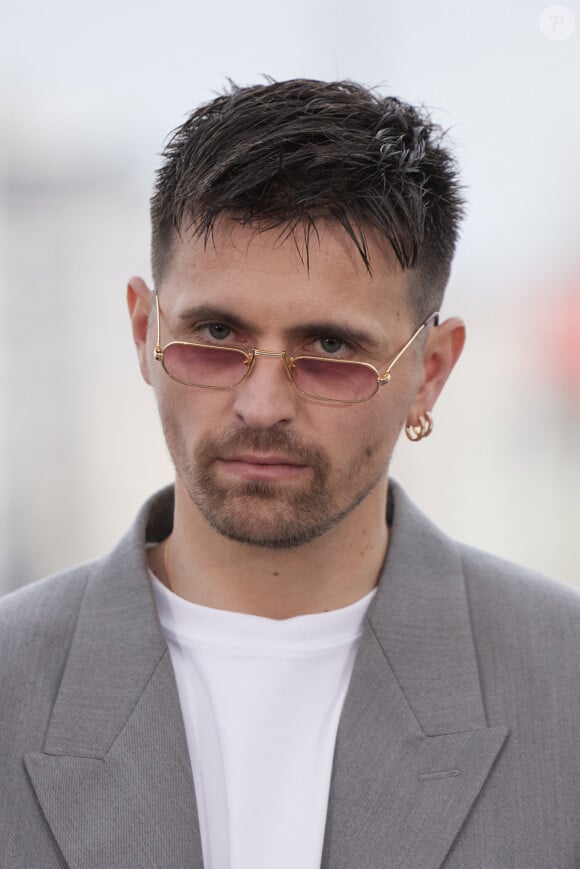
262,459
268,467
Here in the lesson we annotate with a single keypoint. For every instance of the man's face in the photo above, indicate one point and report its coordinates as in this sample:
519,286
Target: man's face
262,464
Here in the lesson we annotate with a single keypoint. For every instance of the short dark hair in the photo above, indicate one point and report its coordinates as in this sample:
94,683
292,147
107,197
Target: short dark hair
286,154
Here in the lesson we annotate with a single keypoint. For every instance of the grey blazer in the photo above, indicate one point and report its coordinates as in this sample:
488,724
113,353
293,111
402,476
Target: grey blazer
458,745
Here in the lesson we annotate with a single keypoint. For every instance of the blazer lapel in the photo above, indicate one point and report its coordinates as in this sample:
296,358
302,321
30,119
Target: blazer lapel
114,780
413,749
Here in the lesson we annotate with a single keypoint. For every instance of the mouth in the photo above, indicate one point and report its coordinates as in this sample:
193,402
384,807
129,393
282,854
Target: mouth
262,459
261,466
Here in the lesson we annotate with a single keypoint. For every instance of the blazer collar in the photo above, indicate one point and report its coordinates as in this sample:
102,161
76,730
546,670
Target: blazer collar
114,780
413,751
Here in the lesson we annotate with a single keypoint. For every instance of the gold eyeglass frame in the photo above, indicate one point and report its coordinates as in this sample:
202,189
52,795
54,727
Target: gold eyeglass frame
289,361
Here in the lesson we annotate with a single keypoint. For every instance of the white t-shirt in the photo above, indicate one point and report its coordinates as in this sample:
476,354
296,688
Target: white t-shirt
261,700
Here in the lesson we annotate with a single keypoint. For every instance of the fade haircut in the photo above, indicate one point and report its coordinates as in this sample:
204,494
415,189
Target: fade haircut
288,154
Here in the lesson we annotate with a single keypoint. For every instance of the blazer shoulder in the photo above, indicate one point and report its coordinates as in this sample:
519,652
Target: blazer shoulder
523,619
44,597
507,585
37,621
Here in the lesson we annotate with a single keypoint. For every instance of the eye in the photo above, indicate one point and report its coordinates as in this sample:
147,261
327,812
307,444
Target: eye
219,331
332,345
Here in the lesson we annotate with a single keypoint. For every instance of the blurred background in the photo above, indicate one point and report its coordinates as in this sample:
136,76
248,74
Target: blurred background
88,93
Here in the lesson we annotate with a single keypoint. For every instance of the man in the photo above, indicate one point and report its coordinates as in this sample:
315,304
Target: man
284,664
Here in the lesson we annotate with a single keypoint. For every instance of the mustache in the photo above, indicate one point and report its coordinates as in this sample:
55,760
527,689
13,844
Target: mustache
275,440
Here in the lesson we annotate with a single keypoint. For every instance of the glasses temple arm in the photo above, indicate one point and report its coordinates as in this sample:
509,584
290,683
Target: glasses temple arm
387,375
158,352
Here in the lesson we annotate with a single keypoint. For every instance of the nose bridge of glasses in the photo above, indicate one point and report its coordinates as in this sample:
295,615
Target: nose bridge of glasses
283,355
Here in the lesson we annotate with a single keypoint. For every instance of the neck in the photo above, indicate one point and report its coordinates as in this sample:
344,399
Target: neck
332,571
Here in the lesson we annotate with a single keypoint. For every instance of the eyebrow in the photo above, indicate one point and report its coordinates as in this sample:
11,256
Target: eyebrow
342,331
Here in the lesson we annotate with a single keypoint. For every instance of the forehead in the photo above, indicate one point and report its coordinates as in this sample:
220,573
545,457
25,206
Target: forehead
270,275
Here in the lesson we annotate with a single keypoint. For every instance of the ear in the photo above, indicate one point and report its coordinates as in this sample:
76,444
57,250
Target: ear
139,302
442,350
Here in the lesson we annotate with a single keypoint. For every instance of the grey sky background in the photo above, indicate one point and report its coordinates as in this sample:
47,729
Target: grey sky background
88,93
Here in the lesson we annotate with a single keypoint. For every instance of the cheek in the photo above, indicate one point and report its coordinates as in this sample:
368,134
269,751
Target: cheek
366,435
188,415
384,427
175,411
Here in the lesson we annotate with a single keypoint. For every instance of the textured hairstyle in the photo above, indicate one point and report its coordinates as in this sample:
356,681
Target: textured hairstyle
287,154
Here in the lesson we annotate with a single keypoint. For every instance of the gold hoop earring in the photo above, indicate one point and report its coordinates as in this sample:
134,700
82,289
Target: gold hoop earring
422,430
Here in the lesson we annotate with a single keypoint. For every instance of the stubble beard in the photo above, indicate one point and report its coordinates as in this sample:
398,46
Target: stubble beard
261,513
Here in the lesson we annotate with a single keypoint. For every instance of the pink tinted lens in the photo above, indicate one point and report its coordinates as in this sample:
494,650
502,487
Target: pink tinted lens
338,381
204,366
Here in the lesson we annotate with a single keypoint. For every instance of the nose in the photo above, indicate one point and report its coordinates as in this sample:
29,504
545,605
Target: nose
266,397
